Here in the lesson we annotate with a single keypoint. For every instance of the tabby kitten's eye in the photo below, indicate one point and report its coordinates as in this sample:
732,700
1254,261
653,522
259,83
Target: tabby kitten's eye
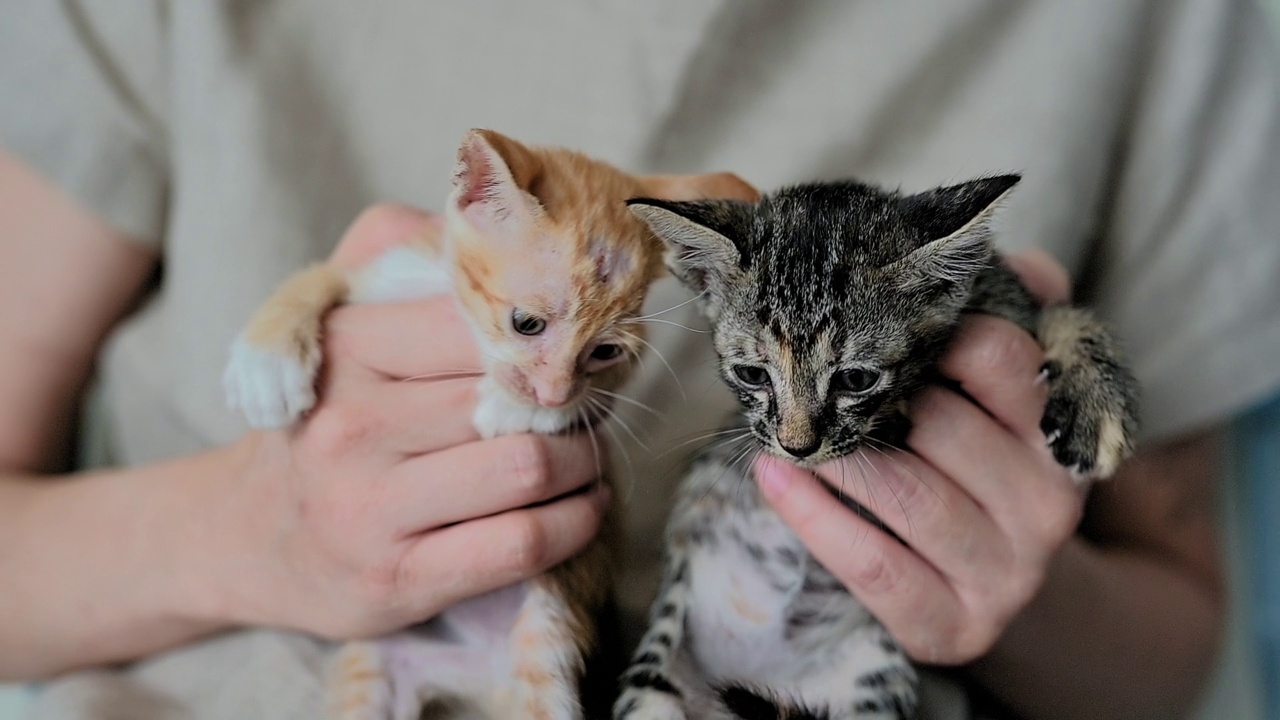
856,381
606,351
752,375
526,324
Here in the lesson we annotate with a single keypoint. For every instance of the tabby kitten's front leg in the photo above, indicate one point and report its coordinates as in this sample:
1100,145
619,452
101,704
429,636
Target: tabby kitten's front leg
1090,416
649,688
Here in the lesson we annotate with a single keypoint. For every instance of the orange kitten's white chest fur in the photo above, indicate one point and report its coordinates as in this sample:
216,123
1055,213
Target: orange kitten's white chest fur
549,270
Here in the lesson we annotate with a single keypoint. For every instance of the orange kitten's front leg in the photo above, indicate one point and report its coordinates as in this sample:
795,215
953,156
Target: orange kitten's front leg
555,636
270,377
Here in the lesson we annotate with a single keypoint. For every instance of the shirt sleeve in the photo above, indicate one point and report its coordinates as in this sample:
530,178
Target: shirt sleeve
1188,269
82,97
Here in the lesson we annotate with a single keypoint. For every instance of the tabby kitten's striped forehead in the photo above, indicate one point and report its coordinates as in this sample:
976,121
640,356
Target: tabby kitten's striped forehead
830,301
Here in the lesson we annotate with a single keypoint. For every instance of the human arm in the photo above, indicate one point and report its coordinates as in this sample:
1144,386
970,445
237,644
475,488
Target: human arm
383,503
989,520
1130,617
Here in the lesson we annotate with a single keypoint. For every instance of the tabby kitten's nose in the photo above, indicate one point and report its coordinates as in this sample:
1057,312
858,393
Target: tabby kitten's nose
805,451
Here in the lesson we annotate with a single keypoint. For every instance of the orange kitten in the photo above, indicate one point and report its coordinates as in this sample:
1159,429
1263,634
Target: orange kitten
550,270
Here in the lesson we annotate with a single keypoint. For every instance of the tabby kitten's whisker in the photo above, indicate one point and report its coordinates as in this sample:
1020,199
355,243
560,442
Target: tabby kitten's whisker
736,432
911,528
903,466
728,465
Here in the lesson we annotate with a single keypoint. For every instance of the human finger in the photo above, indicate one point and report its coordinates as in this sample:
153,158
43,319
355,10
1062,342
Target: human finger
379,228
488,477
405,418
932,514
418,339
1019,487
998,365
1042,274
470,558
898,587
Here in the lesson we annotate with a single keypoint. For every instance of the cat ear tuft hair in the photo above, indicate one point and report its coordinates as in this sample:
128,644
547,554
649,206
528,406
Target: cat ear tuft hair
493,176
700,251
956,223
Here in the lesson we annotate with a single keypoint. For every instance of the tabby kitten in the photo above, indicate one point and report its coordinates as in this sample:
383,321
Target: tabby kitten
550,271
831,303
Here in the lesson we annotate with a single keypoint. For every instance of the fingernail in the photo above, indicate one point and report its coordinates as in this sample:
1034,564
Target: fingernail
774,476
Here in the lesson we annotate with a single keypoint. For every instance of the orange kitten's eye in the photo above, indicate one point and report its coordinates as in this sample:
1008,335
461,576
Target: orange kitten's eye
606,351
527,324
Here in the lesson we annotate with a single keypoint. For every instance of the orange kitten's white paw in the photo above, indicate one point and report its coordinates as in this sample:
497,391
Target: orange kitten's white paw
270,389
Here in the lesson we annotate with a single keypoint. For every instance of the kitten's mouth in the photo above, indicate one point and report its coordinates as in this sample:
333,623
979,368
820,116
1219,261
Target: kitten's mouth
806,458
825,453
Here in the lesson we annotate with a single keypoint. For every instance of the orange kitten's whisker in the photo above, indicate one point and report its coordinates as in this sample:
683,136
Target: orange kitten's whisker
670,322
695,298
663,359
626,458
591,434
446,374
609,413
624,398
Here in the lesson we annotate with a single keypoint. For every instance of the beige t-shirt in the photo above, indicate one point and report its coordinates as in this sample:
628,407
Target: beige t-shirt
241,138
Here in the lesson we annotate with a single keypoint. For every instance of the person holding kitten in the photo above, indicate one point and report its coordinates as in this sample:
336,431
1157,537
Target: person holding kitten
165,166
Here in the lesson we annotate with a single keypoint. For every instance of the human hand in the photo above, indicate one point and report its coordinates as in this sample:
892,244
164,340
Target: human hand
383,506
979,500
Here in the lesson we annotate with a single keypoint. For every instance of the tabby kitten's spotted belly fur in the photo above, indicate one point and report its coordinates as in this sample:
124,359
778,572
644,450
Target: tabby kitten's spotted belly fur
757,613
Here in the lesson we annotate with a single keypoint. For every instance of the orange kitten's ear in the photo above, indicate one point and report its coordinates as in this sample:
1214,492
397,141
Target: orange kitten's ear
492,179
718,186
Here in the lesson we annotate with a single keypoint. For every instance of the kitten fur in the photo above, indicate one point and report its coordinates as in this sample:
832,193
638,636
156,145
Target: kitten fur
831,304
550,271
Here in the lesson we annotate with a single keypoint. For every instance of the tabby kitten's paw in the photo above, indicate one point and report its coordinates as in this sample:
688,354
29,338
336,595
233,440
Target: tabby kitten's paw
269,388
647,704
1086,422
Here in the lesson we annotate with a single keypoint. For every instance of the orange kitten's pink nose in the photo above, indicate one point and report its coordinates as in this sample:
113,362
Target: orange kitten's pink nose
553,394
551,399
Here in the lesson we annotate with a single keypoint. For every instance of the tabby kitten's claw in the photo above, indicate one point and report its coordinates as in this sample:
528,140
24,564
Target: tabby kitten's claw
1084,422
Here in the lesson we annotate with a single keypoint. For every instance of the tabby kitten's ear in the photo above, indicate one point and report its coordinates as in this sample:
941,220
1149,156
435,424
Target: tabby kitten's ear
699,235
956,223
492,179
